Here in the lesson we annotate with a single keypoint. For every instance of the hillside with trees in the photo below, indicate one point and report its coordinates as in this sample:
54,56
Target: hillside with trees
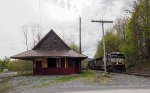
131,36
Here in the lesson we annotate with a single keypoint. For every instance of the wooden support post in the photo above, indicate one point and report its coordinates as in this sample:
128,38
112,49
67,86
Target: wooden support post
74,64
65,62
79,67
33,66
43,64
57,63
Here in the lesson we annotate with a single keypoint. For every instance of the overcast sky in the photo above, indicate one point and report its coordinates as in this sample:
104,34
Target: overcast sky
60,15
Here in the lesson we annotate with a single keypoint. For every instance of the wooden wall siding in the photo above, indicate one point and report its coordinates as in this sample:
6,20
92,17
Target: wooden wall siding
65,70
44,63
52,42
58,71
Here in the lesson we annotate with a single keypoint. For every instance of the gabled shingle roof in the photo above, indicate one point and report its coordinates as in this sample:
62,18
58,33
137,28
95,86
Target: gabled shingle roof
51,41
51,45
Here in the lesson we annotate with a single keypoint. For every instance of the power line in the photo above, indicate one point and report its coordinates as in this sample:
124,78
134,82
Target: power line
39,12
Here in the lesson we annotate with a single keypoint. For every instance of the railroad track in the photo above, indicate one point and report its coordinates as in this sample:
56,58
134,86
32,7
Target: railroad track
130,73
133,73
138,74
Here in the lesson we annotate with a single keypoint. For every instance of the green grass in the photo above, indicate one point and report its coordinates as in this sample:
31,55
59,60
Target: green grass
83,74
65,78
4,85
1,71
86,74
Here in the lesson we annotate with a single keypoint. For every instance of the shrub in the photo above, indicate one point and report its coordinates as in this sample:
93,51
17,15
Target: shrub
20,65
0,65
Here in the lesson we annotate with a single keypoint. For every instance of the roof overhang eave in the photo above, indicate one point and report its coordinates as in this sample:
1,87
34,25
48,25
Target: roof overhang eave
31,57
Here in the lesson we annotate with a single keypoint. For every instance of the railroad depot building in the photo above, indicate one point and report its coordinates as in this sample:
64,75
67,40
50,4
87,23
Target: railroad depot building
52,56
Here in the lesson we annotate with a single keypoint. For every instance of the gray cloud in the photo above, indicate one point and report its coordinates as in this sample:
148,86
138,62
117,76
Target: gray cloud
17,13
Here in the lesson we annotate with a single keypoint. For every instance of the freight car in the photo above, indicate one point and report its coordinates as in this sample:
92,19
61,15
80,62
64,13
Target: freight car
115,62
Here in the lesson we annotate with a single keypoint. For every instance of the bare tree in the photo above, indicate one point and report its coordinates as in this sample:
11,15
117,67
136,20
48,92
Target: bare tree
72,44
84,49
25,32
39,32
119,27
32,34
36,33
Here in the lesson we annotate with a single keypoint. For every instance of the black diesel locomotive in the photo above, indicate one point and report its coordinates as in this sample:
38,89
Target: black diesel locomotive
115,62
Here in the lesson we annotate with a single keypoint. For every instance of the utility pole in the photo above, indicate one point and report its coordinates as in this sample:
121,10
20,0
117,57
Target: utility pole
104,50
80,51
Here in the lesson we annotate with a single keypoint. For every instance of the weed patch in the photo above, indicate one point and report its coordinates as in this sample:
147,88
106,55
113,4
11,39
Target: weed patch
5,85
83,74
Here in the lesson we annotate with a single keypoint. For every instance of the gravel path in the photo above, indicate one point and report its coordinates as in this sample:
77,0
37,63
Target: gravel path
115,91
48,84
122,79
7,74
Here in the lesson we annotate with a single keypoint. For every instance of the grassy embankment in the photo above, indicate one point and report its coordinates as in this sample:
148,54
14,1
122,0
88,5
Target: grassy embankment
139,67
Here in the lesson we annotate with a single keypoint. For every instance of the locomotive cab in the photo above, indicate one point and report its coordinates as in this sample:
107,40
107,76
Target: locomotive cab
116,62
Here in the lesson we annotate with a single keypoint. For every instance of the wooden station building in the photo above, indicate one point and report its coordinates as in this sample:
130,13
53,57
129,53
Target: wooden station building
52,56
